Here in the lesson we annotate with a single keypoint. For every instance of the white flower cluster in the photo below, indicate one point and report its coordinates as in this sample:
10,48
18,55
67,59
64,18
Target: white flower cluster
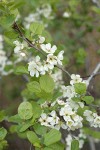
69,91
81,137
50,120
67,108
3,58
70,117
92,118
36,67
44,11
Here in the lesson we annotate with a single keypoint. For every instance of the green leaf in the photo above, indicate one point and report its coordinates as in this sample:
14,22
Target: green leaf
3,133
47,83
52,137
80,88
25,126
39,129
76,99
45,95
36,110
75,145
33,138
2,8
88,99
16,4
3,144
21,70
15,119
34,87
11,34
2,115
36,28
25,110
57,146
7,21
47,148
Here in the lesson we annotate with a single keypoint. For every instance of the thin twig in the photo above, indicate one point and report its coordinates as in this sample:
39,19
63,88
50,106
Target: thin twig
16,28
93,73
90,75
31,147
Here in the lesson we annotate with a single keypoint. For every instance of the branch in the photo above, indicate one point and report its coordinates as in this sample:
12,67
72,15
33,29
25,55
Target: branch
90,75
91,142
30,44
94,73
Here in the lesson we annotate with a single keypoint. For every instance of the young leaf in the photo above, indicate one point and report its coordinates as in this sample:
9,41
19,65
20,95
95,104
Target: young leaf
39,129
7,21
80,88
25,110
36,110
34,87
21,70
75,145
58,146
3,133
36,28
47,83
88,99
2,115
33,138
47,148
25,126
52,137
15,119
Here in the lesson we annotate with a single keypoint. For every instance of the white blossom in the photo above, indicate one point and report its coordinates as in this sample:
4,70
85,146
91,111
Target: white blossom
66,14
53,119
43,119
48,66
45,10
60,57
68,91
35,67
19,47
41,39
52,59
66,110
60,102
37,16
75,79
48,49
92,118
